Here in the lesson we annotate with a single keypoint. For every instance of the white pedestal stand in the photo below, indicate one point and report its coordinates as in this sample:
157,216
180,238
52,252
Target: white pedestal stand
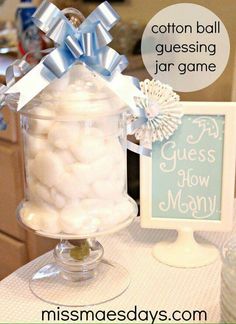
185,252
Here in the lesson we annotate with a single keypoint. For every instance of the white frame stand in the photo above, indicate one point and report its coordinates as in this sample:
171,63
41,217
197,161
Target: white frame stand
185,252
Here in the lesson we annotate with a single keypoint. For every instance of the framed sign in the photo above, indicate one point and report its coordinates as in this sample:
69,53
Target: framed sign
189,181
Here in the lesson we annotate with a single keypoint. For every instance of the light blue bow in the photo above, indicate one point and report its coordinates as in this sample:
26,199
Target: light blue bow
87,44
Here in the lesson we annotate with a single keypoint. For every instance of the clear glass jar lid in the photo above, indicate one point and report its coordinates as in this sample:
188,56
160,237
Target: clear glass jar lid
80,93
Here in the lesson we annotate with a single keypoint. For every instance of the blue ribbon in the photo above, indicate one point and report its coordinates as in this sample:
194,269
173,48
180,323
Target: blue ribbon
87,44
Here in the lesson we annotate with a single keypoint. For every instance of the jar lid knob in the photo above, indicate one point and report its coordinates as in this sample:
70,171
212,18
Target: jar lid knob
74,15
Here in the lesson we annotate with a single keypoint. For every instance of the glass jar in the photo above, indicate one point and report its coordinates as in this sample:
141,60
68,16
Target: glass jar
74,138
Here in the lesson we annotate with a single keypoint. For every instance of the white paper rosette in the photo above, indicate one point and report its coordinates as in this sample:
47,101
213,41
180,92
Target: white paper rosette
163,110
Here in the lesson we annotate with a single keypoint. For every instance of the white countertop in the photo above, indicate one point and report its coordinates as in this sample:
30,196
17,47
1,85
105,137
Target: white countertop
154,286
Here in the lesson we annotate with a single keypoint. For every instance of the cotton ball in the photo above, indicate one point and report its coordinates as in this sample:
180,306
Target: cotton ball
97,208
65,156
69,186
74,220
30,216
108,222
40,126
90,147
118,173
42,192
105,189
102,167
115,149
82,171
90,172
125,208
90,226
120,212
79,225
94,204
58,200
41,218
62,134
50,221
109,125
36,144
47,167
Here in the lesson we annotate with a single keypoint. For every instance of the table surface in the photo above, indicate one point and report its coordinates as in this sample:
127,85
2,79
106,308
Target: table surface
154,286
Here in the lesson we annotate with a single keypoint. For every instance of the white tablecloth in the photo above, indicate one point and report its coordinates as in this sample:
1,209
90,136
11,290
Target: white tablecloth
154,286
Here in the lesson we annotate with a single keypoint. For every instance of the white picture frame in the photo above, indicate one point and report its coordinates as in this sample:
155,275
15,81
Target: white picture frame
228,109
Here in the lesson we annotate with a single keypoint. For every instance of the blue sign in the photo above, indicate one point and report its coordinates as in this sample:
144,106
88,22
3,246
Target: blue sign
187,170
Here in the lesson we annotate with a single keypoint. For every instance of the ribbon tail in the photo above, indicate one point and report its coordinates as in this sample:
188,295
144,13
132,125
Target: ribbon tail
31,84
139,149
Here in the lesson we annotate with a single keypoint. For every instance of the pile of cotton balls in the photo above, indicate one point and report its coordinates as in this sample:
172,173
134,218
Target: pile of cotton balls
75,174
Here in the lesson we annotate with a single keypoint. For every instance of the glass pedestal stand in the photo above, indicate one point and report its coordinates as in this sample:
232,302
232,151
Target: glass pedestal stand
79,276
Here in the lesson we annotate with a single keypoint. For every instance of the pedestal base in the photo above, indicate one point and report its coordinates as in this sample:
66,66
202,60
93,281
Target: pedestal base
185,252
109,281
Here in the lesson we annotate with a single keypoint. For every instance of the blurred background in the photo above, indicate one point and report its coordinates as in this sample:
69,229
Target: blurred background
17,246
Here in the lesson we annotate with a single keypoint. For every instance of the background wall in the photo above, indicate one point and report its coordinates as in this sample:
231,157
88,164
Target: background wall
7,9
